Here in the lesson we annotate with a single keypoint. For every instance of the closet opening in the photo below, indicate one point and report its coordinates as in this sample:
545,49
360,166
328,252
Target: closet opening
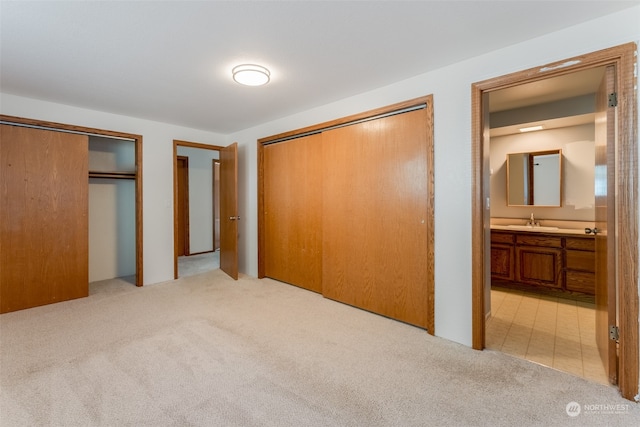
102,209
112,209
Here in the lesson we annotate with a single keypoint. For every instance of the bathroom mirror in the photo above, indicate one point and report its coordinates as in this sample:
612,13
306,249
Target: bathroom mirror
534,179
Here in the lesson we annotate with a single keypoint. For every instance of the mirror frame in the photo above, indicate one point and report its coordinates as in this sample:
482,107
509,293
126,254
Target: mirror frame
530,184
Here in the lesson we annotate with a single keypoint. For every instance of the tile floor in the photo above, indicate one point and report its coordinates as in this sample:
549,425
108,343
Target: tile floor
552,331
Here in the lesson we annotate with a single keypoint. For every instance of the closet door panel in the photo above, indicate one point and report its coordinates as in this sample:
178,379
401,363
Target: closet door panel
44,221
293,212
375,216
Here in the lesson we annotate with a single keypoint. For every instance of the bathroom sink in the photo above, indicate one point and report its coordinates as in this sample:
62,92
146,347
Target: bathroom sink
530,228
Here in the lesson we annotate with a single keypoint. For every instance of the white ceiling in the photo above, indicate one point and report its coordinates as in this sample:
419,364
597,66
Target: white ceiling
171,61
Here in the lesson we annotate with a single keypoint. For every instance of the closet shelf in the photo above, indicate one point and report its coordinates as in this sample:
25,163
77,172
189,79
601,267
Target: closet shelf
112,175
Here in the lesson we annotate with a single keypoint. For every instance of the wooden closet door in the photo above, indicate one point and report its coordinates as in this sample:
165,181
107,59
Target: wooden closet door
374,216
293,212
43,217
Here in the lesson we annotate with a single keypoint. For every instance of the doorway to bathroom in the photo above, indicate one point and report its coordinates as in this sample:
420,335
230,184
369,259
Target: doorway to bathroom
617,197
542,198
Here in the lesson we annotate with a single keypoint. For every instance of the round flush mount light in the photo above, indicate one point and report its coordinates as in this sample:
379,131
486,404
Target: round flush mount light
251,75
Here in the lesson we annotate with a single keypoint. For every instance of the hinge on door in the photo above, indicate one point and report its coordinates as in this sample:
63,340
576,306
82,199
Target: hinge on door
613,333
613,99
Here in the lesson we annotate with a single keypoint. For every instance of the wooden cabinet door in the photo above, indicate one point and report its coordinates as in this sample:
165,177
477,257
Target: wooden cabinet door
502,257
43,217
375,216
539,266
293,212
579,257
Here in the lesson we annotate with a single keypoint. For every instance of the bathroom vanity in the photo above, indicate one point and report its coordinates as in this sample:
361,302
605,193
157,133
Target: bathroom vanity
561,260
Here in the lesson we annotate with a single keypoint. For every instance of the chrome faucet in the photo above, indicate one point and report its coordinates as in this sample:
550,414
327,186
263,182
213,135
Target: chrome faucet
532,222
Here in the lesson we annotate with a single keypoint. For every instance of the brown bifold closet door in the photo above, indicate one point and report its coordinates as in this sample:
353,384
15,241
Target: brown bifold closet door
374,216
43,217
293,211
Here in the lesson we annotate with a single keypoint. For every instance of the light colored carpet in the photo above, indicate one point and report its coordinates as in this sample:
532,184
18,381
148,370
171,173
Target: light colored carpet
198,264
208,351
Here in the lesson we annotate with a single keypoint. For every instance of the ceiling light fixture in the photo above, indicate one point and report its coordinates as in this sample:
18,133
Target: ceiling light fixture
251,75
531,129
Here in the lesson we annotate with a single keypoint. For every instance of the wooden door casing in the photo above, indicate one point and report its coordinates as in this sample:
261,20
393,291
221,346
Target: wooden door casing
182,245
293,211
215,173
44,239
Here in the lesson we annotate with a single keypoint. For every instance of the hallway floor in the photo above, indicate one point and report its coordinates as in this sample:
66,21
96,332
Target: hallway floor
197,264
552,331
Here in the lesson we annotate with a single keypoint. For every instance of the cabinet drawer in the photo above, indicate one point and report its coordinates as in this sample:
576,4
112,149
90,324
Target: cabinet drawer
545,241
579,281
582,244
497,237
580,260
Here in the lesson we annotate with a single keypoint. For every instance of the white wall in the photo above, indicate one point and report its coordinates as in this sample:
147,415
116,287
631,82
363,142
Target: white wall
578,165
112,228
200,197
157,168
451,87
112,213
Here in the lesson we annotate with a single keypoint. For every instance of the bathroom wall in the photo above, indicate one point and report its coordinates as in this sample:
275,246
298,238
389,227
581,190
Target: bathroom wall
578,162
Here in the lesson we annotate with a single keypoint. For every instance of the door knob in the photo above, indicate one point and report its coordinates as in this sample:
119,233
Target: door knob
233,218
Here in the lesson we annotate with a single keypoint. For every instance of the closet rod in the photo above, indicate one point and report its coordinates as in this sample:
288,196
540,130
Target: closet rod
26,125
112,175
354,122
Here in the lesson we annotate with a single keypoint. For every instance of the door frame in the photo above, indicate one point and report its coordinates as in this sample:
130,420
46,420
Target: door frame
137,139
180,143
626,202
185,206
216,206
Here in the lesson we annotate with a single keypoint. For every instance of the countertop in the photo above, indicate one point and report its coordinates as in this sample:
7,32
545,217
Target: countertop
542,229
